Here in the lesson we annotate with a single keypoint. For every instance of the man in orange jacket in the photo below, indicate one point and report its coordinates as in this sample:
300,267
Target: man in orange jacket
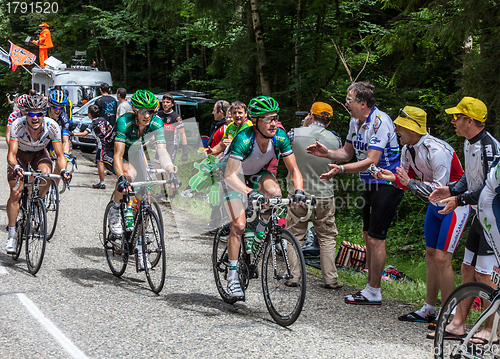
44,43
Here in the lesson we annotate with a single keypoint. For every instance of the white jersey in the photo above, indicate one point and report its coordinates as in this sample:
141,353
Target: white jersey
435,163
51,132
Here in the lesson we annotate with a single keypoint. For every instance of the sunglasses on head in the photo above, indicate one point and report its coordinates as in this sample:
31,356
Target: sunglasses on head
144,111
35,114
269,119
402,113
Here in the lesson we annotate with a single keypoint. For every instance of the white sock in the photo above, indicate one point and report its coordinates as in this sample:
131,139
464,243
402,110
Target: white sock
233,274
371,293
115,208
426,310
12,231
102,182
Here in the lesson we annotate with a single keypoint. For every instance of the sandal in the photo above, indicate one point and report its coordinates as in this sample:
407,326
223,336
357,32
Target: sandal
414,317
359,298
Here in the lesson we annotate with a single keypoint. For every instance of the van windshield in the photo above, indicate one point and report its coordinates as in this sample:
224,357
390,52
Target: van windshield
79,94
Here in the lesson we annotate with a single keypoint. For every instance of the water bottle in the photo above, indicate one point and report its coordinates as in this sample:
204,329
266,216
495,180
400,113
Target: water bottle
259,236
129,218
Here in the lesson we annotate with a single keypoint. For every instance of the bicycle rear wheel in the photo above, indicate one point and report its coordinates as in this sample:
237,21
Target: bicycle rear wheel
220,263
36,235
114,247
284,295
20,230
153,249
461,299
51,201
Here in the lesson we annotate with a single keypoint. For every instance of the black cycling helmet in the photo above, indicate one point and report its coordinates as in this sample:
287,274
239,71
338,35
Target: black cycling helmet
35,102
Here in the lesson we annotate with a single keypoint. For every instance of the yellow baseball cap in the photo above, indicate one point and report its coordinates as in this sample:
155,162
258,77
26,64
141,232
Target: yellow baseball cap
322,109
471,107
412,118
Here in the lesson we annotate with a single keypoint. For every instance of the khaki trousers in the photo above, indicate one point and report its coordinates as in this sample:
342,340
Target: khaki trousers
326,230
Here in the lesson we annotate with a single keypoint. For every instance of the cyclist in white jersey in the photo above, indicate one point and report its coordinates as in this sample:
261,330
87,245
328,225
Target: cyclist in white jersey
489,207
29,137
252,149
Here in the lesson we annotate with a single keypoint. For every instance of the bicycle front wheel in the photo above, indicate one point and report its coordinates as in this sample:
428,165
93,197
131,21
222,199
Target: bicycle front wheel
284,278
479,296
220,263
36,235
114,247
20,230
153,249
51,201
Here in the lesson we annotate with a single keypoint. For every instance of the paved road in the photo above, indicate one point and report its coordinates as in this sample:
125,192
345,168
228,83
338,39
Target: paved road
74,307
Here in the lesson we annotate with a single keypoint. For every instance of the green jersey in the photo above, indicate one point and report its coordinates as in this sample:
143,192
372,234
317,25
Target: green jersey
232,130
128,132
243,148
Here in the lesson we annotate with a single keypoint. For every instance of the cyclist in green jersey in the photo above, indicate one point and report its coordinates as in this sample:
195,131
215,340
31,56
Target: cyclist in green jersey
133,131
252,149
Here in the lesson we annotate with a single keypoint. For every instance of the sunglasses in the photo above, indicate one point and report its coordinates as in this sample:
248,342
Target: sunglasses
269,119
35,114
57,108
457,117
349,101
402,113
144,111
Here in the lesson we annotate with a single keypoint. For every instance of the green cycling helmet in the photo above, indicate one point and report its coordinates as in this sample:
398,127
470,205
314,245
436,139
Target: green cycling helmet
261,105
144,99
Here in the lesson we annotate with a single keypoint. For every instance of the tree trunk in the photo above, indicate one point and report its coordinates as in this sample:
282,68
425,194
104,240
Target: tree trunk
188,57
148,51
125,64
297,44
261,50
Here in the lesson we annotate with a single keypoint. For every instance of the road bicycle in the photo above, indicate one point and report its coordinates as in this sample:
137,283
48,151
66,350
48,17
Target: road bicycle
284,293
485,303
148,225
31,223
51,201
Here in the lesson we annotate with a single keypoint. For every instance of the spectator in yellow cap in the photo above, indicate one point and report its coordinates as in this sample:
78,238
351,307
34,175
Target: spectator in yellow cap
311,167
480,148
436,164
44,43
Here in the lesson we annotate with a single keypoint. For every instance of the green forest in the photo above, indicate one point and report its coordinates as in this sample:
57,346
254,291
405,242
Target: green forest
422,53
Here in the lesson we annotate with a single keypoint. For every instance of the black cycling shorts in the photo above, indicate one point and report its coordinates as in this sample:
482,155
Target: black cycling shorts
476,243
380,204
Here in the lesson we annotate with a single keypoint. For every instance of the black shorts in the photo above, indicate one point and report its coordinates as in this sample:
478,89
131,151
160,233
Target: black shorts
476,243
107,154
380,204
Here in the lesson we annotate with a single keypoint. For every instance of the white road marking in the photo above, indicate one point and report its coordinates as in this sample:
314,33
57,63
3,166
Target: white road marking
3,270
51,328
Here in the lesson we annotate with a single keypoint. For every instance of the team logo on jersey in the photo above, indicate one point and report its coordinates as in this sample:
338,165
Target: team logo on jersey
377,123
489,150
374,140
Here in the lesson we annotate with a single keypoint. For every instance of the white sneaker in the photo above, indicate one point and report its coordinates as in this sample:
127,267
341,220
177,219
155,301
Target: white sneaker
234,289
11,245
141,262
115,224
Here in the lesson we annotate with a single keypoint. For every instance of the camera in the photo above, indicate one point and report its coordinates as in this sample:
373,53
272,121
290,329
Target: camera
373,169
301,113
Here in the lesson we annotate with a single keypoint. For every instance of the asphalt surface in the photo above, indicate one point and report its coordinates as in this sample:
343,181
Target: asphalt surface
75,307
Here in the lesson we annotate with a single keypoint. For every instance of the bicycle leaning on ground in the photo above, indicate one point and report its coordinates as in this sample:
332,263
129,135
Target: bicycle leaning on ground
31,224
148,225
464,296
284,294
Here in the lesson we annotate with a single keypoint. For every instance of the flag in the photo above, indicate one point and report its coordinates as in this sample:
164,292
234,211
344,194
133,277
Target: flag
4,57
20,56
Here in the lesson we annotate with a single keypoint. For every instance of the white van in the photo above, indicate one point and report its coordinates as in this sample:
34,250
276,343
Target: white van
82,82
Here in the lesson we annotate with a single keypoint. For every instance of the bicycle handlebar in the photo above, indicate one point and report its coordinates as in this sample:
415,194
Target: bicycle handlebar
257,206
38,174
